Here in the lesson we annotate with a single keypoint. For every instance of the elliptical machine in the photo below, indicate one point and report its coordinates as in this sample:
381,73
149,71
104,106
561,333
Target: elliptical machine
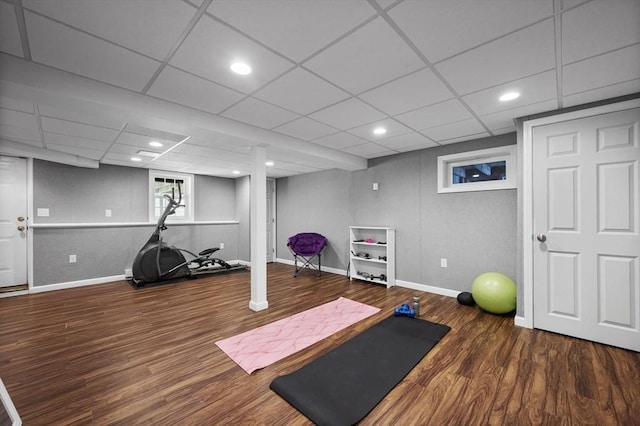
159,261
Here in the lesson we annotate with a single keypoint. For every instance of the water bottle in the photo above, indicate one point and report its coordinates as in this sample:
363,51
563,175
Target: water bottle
416,305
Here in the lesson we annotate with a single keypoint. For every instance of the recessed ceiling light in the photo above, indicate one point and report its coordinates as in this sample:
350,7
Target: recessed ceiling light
148,153
269,163
236,172
156,144
136,159
379,131
241,68
509,96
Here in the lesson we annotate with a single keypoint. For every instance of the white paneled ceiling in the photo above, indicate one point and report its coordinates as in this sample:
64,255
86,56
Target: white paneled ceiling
95,81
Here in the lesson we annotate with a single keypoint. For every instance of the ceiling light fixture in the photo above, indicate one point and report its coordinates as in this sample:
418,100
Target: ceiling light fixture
148,153
136,159
155,144
509,96
240,68
236,172
269,163
379,131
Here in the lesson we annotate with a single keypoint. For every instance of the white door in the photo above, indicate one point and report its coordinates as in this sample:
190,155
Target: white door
13,221
271,192
586,218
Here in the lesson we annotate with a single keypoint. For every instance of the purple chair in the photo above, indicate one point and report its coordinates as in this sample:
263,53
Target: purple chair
306,246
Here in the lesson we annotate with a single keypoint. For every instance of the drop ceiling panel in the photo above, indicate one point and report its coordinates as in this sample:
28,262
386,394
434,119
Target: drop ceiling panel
16,105
54,125
348,114
19,119
77,142
453,130
301,91
408,141
618,66
523,53
297,29
369,150
504,119
458,25
189,90
211,47
84,116
150,27
607,92
9,34
586,30
369,57
306,129
534,89
435,115
258,113
92,154
339,140
62,47
413,91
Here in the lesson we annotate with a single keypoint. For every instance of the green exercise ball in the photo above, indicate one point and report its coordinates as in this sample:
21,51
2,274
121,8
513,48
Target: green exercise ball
494,292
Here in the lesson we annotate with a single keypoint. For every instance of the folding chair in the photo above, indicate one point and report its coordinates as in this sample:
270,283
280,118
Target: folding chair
306,246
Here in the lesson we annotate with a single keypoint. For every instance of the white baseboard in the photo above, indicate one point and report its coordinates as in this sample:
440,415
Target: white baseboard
324,268
522,322
5,400
73,284
428,288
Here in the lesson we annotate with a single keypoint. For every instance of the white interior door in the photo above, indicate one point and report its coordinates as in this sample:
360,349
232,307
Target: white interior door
13,221
271,191
586,218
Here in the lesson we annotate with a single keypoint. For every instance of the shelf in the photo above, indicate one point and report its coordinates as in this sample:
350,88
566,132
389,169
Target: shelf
383,246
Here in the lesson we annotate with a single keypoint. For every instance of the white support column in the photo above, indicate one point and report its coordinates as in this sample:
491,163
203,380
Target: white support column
258,206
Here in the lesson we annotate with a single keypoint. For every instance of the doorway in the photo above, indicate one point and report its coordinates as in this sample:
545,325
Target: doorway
583,274
13,224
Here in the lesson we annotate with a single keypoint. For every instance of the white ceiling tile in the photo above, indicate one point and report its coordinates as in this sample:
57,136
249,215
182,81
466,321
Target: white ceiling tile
305,128
504,131
258,113
206,153
458,25
92,154
195,92
503,119
212,47
454,130
611,68
150,27
142,142
435,115
526,52
369,150
9,35
53,125
464,138
407,142
371,56
393,127
339,140
19,126
57,139
587,30
534,89
84,116
17,105
297,29
301,91
413,91
606,92
348,114
62,47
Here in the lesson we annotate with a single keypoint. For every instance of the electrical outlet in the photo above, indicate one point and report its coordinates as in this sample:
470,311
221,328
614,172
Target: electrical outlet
107,213
221,246
72,258
443,263
43,212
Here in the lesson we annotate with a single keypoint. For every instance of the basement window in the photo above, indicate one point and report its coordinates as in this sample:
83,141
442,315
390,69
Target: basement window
178,186
482,170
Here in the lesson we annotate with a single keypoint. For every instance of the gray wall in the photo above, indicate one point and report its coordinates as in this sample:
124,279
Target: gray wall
81,195
475,231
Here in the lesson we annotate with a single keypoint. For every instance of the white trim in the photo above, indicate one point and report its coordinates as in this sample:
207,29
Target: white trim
74,284
127,224
446,163
527,319
188,195
30,213
427,288
13,293
8,406
324,268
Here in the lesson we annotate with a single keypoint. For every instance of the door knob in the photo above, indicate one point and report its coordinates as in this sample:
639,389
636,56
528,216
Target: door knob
20,218
20,228
541,237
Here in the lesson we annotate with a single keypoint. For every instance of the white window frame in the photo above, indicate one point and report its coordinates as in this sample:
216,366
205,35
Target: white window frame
188,198
446,164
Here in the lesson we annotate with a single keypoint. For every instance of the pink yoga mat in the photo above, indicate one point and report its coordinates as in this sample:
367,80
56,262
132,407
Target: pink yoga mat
269,343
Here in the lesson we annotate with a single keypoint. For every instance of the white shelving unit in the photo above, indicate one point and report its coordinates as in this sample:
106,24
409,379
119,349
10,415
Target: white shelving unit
373,254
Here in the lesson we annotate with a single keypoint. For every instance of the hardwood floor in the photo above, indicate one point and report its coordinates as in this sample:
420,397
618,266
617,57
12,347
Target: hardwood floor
110,354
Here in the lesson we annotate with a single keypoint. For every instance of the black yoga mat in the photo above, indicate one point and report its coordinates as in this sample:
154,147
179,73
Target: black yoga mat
345,384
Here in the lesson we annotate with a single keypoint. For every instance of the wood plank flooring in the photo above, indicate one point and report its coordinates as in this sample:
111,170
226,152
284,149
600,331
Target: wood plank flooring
110,354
